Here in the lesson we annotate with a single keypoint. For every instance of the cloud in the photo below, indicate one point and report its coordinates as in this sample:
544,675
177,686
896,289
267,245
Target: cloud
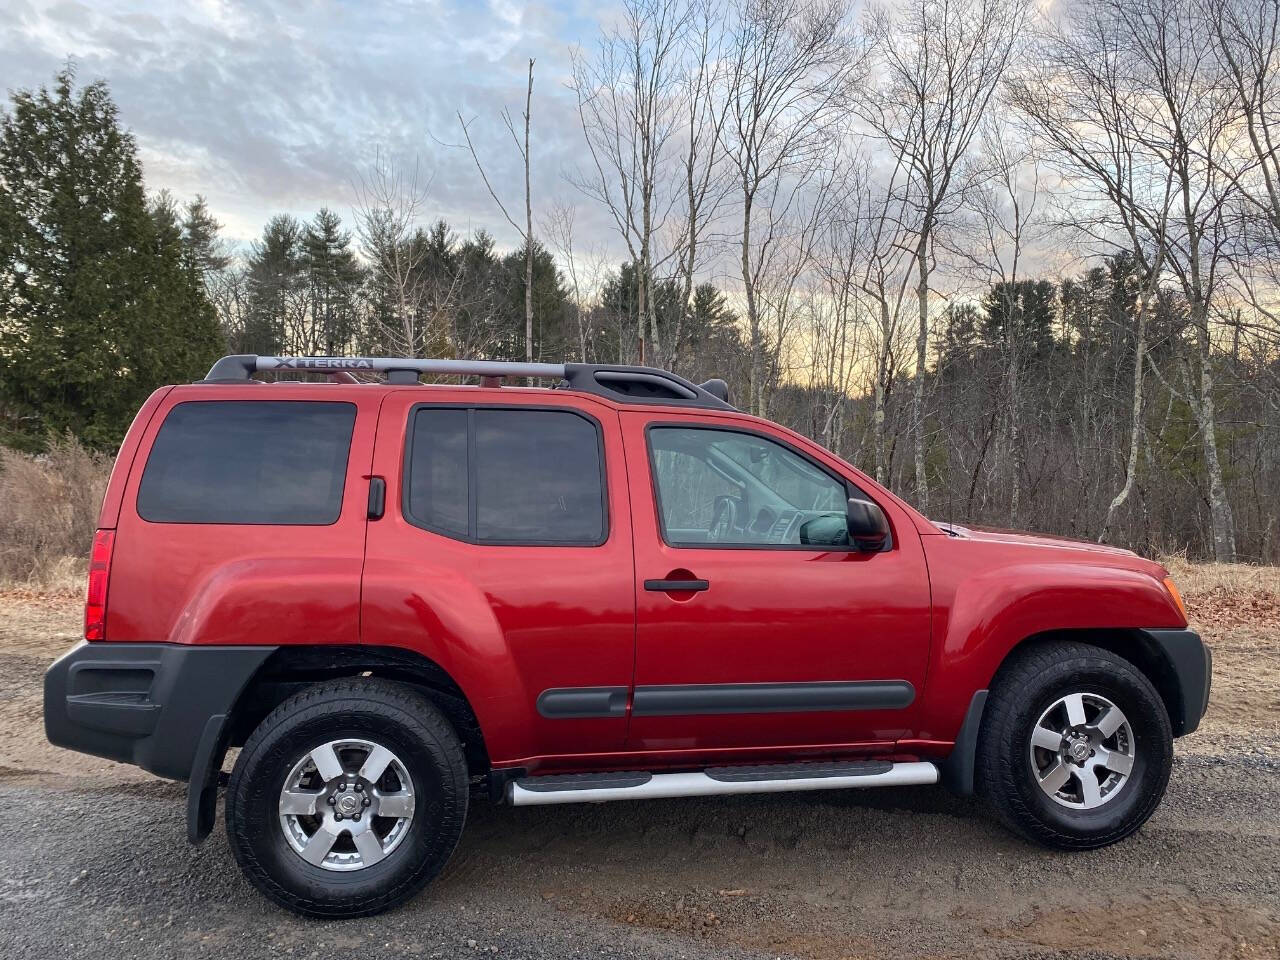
276,107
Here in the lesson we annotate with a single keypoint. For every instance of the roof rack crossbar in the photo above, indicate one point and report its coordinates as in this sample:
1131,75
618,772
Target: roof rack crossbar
243,366
624,383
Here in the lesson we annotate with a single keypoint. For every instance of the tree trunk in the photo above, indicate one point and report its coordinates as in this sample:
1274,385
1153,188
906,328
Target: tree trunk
1220,518
753,315
528,229
647,312
647,348
1135,428
917,393
1015,442
881,378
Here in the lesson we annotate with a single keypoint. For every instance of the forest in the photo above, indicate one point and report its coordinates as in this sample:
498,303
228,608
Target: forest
1020,268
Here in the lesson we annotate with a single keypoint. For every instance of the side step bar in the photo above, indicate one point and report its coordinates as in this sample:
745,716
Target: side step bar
717,781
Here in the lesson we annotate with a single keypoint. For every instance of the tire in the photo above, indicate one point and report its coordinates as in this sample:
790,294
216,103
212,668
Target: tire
1049,686
323,744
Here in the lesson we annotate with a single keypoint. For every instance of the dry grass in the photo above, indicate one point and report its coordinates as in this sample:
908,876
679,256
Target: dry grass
48,512
1228,594
1204,578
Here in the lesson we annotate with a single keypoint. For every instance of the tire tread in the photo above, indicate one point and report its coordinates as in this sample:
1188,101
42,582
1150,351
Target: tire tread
998,767
345,696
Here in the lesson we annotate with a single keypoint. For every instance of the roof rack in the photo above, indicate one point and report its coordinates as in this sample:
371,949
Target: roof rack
621,382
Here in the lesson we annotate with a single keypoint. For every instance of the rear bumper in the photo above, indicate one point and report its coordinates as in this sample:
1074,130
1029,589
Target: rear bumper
1189,672
149,704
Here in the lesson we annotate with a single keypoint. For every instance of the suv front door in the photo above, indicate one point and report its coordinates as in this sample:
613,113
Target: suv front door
754,629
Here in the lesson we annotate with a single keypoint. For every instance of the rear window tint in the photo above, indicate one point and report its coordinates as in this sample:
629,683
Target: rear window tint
507,476
248,462
438,470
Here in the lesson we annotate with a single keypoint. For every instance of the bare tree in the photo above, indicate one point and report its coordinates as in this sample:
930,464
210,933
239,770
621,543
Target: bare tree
389,204
1246,45
702,116
525,232
1130,95
628,97
790,72
940,63
560,230
875,230
842,330
1007,208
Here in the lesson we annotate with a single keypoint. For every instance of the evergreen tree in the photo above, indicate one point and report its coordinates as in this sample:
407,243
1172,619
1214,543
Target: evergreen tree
1021,315
204,247
620,301
96,308
334,276
475,265
961,339
277,290
553,334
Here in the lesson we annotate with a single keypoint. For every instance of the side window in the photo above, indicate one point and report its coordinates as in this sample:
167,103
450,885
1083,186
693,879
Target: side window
507,476
724,487
437,484
690,488
248,462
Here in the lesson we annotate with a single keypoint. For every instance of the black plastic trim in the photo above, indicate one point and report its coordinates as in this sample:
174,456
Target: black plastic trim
1191,663
677,586
556,783
593,378
377,498
202,790
565,703
499,781
237,368
799,771
957,769
705,699
98,700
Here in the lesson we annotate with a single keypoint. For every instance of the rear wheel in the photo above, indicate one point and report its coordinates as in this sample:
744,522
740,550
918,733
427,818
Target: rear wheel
1076,748
347,799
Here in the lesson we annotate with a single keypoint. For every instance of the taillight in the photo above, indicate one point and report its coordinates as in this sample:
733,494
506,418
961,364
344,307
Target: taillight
95,603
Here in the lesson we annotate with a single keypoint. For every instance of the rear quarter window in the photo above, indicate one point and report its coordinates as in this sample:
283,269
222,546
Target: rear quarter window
248,462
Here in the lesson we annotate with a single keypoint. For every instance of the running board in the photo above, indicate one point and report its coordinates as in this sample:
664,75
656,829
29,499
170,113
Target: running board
717,781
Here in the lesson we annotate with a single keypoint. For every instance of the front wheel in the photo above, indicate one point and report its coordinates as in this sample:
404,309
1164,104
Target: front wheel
347,799
1076,748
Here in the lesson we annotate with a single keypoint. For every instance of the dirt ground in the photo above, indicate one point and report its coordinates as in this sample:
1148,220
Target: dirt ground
908,872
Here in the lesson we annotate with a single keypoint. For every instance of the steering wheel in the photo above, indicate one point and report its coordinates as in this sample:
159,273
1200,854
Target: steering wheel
724,519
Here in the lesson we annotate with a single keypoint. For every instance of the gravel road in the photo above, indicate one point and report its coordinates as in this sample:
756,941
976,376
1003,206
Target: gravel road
95,862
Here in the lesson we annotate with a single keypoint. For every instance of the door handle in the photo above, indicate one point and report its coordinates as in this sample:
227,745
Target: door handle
377,498
677,586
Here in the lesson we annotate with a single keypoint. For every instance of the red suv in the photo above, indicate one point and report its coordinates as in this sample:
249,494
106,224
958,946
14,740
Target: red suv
392,596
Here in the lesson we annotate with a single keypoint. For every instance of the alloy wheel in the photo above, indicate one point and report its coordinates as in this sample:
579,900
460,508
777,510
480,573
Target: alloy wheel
346,805
1082,751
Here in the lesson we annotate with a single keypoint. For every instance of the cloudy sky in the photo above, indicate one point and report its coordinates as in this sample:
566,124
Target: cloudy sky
268,107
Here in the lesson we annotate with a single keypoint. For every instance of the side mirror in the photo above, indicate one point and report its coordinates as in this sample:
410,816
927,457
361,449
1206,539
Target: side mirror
868,526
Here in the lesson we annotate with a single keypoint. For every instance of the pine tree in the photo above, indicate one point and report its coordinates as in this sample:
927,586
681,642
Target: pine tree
96,309
552,318
277,309
205,249
334,276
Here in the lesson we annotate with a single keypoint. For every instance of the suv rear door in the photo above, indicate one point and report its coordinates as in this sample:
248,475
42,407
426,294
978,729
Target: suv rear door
242,519
745,637
504,555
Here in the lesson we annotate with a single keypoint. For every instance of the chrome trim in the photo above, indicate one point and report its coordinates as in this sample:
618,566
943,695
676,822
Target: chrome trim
698,784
